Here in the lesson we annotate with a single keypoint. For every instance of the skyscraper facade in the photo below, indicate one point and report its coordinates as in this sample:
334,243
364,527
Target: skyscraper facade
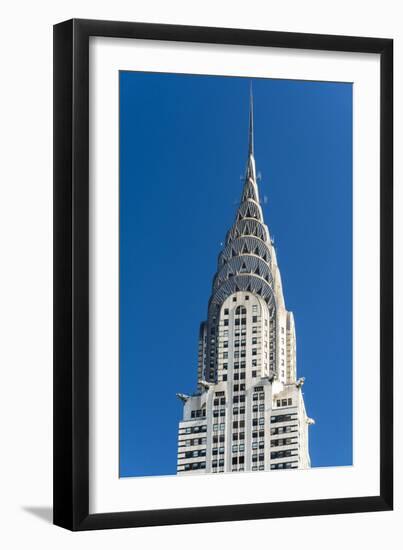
248,412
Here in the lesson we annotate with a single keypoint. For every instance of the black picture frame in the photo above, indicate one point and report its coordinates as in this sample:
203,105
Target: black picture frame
71,274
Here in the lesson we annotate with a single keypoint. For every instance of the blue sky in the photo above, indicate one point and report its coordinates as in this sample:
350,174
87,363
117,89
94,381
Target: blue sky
183,149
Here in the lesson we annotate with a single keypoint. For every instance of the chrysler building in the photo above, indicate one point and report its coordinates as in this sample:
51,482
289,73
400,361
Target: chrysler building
248,411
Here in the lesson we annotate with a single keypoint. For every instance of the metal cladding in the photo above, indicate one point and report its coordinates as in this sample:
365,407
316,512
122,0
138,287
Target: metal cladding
245,264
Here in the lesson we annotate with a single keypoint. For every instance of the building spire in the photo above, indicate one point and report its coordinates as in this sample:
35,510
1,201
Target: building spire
251,144
251,167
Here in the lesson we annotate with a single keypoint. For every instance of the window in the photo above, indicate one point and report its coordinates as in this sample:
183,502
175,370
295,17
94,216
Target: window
241,447
236,387
226,322
278,403
254,351
254,319
222,427
224,377
236,366
222,438
254,362
234,299
235,436
280,418
254,445
253,374
242,398
242,387
254,341
226,311
255,397
222,412
242,410
225,366
225,355
235,399
254,408
254,309
241,435
261,421
235,424
289,401
225,333
215,402
284,402
246,297
235,410
254,435
254,330
236,376
261,406
234,448
225,343
242,376
221,450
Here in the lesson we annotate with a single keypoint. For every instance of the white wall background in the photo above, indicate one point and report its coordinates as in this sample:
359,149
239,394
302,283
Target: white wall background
26,270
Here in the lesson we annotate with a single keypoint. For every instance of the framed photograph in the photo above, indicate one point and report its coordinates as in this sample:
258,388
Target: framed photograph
223,236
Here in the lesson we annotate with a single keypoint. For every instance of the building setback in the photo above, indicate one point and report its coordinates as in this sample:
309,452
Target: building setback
248,413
